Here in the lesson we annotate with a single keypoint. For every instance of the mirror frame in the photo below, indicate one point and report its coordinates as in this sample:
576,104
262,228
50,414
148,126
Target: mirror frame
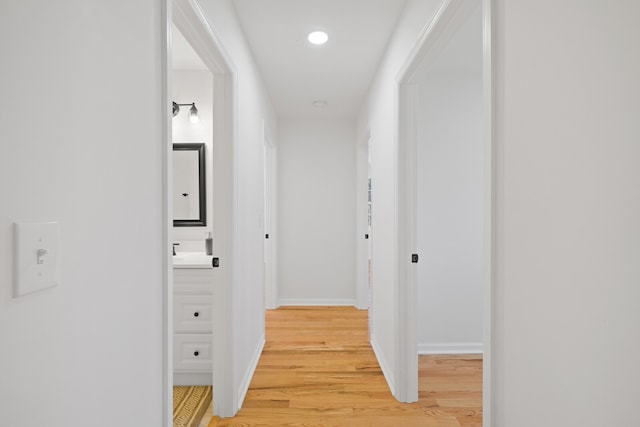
202,220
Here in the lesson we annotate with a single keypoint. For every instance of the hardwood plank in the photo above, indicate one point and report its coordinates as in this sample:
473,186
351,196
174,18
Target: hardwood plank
318,369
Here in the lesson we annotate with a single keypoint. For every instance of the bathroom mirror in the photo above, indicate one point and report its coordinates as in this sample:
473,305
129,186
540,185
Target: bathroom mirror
189,196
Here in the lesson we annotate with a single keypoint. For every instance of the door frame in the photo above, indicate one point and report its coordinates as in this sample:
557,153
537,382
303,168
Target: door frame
362,244
167,214
270,219
190,20
430,43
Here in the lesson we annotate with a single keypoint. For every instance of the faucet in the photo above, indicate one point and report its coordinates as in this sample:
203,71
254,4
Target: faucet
174,248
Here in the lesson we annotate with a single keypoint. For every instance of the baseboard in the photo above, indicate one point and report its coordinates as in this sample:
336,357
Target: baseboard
450,348
316,302
359,305
384,365
192,378
248,376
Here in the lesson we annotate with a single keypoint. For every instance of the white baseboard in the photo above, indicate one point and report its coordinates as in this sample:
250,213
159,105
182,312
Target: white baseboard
361,305
384,365
192,378
316,302
451,348
248,375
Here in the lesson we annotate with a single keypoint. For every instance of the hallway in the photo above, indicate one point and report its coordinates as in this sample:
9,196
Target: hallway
318,369
324,115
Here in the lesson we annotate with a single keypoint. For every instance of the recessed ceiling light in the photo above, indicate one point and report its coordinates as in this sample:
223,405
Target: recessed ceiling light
318,37
319,103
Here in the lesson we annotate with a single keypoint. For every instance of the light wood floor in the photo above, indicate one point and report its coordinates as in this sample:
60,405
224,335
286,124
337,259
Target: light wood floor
318,369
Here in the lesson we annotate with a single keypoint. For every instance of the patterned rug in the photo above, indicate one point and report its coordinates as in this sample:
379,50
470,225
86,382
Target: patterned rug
190,404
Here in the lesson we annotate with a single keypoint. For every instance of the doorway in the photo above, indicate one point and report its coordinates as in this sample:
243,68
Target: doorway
449,189
444,190
190,21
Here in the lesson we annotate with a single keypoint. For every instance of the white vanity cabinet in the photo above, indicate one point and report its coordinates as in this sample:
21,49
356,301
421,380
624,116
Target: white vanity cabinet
193,295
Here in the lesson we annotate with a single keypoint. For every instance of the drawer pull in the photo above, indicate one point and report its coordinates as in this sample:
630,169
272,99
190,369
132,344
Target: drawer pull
196,353
196,314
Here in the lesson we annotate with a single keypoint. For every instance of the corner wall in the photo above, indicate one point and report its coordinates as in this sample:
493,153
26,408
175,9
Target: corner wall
88,155
567,141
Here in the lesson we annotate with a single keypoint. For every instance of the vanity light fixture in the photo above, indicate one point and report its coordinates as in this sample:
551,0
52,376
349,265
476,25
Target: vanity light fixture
193,111
318,37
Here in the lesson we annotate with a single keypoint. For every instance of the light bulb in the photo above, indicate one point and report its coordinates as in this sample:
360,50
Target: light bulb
193,114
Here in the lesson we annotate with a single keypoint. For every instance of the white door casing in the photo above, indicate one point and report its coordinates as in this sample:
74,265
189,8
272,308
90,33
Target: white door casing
190,20
431,42
362,229
270,206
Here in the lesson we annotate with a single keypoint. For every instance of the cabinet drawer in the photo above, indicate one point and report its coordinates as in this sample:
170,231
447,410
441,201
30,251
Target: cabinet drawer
193,280
192,352
192,313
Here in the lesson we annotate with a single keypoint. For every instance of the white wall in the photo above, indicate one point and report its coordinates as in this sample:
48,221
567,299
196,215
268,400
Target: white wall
567,210
252,108
450,196
195,86
88,155
316,212
378,117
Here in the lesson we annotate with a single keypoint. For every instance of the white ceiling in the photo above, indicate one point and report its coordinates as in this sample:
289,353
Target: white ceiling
297,73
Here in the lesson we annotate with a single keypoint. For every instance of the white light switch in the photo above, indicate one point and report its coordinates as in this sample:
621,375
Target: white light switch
35,257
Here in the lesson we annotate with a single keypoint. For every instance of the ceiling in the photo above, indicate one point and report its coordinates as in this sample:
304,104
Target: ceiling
297,73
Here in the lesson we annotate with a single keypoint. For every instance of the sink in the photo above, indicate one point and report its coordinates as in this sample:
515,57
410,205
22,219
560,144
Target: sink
192,260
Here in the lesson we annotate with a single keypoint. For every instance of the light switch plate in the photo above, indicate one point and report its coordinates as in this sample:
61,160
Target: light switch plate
35,257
